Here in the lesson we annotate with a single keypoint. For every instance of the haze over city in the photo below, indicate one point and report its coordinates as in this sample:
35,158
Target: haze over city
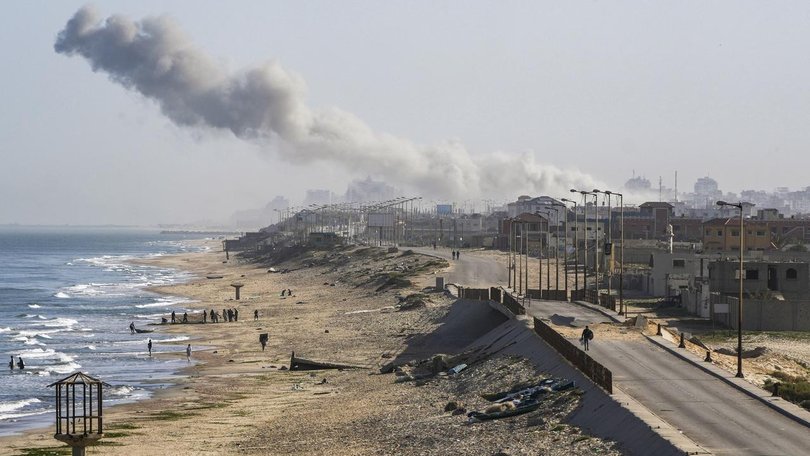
483,100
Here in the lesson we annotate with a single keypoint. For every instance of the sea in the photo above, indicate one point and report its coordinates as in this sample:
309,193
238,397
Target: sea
67,298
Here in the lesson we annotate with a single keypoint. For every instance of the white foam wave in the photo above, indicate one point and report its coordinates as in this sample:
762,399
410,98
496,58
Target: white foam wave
9,416
62,368
60,322
61,295
6,329
122,390
34,306
172,339
16,405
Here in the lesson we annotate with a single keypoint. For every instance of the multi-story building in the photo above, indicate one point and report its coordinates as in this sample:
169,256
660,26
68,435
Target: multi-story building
723,234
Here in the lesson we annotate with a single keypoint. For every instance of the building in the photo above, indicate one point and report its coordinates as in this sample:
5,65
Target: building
763,280
723,234
528,205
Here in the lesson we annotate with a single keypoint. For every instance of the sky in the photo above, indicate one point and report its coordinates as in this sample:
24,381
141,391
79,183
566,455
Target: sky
446,100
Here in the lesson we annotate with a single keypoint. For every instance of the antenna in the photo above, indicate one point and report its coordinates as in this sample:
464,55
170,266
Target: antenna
676,185
660,188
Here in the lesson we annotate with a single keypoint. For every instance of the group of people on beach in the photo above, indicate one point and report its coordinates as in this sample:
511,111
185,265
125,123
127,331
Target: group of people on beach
228,315
286,292
20,363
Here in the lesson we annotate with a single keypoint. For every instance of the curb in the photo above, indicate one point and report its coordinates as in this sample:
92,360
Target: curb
752,391
599,309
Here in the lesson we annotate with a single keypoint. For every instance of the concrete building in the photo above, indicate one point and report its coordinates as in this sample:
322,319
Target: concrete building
774,280
723,234
528,205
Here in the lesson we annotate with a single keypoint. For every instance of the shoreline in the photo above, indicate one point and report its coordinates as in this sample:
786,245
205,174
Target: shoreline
173,381
240,399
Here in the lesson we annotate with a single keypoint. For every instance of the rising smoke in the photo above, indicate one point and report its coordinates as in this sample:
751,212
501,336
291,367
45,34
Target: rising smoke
268,102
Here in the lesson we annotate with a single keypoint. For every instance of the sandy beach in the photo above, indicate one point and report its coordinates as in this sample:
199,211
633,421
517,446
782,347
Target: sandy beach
236,398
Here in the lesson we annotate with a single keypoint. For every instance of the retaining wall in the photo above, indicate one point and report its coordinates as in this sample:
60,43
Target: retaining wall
601,375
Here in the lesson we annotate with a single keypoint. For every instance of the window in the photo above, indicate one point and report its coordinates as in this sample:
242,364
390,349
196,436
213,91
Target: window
735,233
708,232
791,274
750,274
760,233
679,263
719,232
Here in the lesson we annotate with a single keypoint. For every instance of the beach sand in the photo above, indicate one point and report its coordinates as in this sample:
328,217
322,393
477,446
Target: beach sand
236,399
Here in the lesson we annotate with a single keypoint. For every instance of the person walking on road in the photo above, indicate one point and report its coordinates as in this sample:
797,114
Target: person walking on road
587,335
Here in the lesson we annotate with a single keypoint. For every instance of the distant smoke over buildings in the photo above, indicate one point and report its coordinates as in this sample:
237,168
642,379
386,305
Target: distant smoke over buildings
370,190
268,103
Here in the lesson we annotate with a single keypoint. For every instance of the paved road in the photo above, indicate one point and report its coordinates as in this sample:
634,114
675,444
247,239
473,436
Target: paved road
715,415
469,270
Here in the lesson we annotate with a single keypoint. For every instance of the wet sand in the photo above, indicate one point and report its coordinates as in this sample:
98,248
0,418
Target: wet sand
236,398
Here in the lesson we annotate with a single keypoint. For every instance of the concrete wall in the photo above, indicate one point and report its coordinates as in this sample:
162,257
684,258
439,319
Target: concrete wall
759,315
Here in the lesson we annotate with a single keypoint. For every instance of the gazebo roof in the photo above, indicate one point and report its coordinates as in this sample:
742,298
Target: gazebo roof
79,378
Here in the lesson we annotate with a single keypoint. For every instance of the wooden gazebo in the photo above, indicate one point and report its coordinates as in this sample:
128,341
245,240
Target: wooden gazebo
79,420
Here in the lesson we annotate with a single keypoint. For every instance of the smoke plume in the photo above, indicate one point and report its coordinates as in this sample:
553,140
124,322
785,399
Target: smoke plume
268,103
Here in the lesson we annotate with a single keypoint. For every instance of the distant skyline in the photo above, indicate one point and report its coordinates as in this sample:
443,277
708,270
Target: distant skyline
559,92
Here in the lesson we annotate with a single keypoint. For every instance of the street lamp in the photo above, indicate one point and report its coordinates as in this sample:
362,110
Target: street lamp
565,248
548,257
585,234
622,310
609,242
576,245
740,300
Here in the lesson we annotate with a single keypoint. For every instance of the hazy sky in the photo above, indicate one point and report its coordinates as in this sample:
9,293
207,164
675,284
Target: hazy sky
593,89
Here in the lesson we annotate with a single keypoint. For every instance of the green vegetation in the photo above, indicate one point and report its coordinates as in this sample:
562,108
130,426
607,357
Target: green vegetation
171,415
53,451
120,426
791,388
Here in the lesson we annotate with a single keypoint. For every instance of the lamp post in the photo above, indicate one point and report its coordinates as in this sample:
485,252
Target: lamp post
548,257
585,235
565,249
740,299
622,310
576,245
609,242
509,255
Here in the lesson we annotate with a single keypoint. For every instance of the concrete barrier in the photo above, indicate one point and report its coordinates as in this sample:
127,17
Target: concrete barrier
495,294
600,375
479,294
513,305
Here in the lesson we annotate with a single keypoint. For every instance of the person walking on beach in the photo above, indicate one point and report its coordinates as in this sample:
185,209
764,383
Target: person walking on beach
256,315
132,327
188,352
173,318
185,317
235,314
205,316
21,364
587,335
149,346
11,363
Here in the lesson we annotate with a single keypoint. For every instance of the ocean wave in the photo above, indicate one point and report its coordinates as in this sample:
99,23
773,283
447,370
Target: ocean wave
6,329
37,332
124,390
61,295
16,405
34,306
60,322
172,339
62,368
9,416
